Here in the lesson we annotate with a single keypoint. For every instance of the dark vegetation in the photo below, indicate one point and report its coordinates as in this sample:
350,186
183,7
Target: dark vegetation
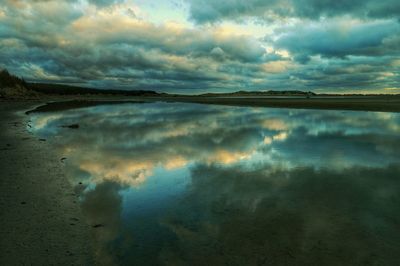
8,80
60,89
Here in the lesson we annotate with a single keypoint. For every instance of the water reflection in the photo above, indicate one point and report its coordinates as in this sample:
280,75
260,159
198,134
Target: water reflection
187,184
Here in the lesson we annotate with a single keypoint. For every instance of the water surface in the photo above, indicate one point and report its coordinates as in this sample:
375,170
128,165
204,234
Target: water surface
189,184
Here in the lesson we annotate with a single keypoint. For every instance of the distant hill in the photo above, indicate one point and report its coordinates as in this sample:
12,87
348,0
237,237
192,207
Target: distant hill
59,89
259,93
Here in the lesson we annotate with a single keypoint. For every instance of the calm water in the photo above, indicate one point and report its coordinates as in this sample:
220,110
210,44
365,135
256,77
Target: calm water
188,184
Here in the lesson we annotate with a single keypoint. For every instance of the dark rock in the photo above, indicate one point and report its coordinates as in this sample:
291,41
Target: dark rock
98,225
73,126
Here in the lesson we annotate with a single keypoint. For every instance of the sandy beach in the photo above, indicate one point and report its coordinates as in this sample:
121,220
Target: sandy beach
41,222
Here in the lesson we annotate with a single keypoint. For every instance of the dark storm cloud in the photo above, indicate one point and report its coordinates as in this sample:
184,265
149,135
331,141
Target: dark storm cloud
103,3
105,46
209,11
137,54
341,40
351,73
202,42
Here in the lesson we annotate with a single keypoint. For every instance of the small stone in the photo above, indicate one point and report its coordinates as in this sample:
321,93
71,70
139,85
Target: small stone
98,225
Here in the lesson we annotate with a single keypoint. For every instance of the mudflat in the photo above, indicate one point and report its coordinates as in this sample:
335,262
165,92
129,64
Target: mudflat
41,221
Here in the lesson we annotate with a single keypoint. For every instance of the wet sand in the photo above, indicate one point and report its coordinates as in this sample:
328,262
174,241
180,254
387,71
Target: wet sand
41,221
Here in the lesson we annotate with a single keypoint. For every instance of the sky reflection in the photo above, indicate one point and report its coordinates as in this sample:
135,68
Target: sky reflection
180,184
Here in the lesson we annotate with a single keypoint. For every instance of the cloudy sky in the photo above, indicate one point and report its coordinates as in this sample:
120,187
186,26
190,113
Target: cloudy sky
192,46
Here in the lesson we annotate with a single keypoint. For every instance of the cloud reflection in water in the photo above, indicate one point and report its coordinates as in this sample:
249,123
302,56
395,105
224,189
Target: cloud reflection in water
186,183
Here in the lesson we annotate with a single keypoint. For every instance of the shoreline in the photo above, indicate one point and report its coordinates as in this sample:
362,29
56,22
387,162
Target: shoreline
42,223
365,103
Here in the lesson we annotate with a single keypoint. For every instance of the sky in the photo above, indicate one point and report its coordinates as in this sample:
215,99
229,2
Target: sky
195,46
